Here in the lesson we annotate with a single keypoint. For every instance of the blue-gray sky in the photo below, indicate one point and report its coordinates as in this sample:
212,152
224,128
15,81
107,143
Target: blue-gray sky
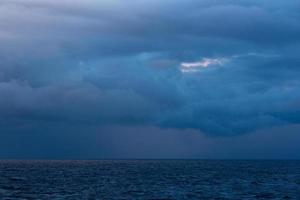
149,79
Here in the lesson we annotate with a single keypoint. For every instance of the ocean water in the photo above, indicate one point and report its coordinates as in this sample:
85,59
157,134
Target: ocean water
150,179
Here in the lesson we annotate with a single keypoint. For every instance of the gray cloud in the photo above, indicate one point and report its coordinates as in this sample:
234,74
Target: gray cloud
112,62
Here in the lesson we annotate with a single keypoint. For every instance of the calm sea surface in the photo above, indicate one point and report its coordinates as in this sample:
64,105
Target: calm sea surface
150,179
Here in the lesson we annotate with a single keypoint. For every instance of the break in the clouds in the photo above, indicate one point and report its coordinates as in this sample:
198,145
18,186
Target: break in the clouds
205,62
90,62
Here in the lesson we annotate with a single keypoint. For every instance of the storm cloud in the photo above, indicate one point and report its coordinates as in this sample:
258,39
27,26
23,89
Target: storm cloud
118,63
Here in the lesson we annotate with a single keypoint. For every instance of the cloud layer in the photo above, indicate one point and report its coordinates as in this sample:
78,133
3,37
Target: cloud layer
120,63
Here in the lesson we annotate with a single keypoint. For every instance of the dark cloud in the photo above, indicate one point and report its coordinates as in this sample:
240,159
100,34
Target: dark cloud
111,62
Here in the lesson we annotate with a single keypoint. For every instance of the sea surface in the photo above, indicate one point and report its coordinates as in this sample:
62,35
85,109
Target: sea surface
150,179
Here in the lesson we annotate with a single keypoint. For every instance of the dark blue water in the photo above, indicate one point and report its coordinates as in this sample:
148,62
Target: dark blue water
150,179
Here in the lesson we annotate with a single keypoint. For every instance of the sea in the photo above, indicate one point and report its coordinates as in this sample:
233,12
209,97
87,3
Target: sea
150,179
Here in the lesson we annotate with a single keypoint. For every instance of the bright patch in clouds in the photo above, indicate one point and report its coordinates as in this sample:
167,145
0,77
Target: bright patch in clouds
204,63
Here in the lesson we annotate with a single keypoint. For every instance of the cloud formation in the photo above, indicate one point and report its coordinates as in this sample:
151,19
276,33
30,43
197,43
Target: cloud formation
120,63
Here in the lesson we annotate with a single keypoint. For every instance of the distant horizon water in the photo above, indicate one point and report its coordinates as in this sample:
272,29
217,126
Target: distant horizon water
150,179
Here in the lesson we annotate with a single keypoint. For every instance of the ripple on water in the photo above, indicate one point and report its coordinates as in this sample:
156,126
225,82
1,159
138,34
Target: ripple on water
150,179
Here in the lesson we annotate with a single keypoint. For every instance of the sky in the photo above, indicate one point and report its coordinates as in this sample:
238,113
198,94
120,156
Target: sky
112,79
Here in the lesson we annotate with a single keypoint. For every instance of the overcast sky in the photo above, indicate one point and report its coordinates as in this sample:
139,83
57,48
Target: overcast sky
94,79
